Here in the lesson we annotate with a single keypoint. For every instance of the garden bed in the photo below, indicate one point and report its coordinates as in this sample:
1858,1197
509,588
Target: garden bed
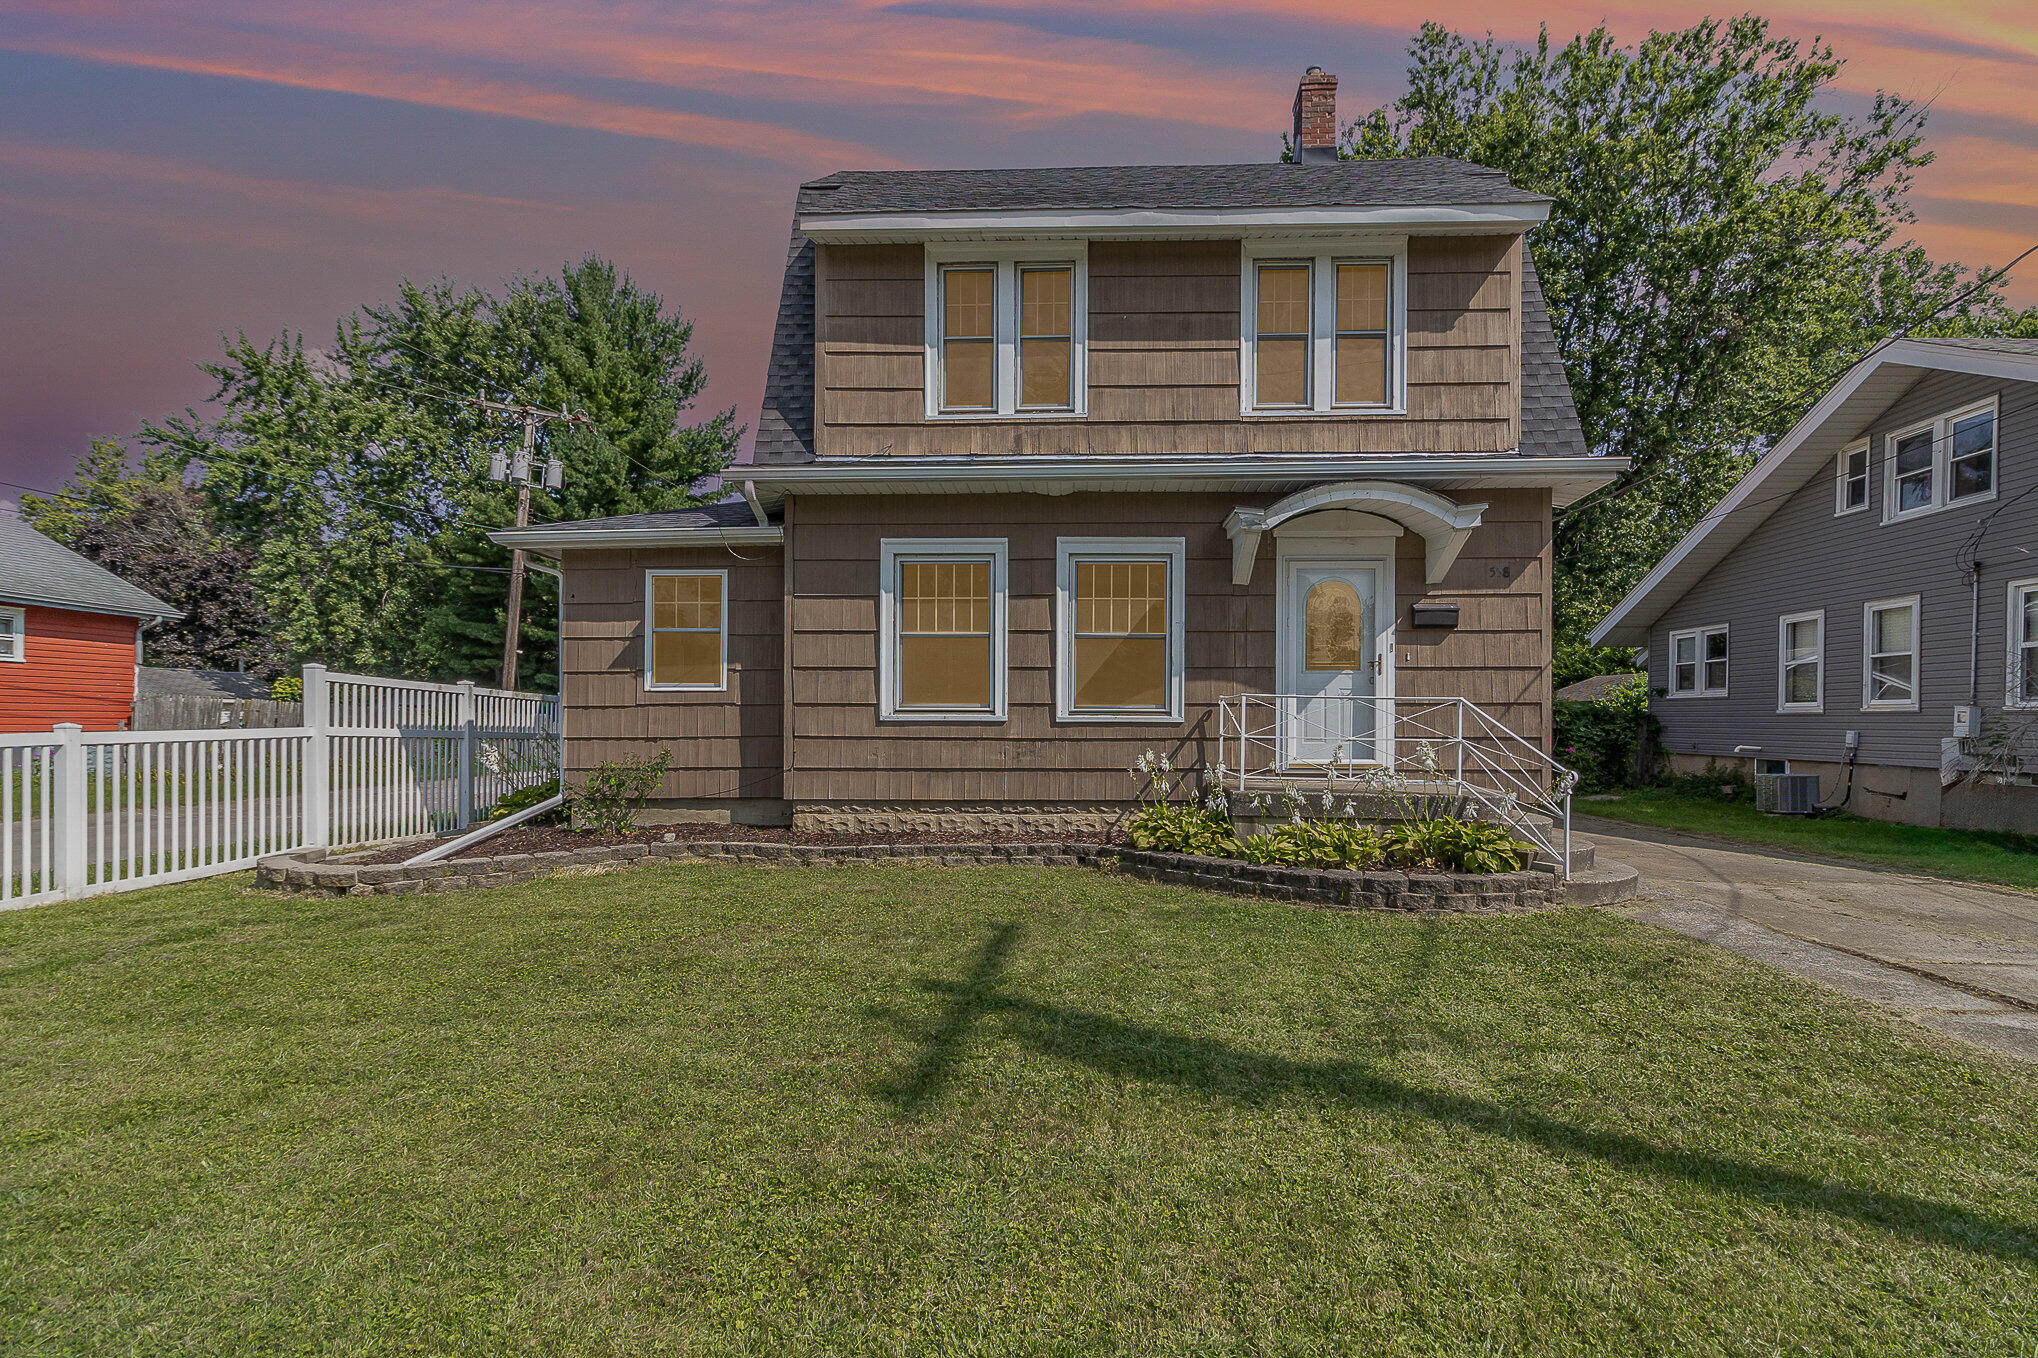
311,873
533,839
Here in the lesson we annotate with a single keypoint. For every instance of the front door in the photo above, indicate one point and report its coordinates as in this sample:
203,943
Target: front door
1332,631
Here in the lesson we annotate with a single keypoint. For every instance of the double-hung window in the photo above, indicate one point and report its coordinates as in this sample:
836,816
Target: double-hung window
1801,662
942,607
1944,461
1118,645
686,628
1851,468
1889,662
13,634
1698,663
1323,333
2023,634
1005,334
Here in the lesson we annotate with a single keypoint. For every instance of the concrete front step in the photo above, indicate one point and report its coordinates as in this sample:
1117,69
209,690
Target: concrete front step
1603,884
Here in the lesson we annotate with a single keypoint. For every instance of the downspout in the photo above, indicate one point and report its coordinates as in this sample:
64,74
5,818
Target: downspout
1974,635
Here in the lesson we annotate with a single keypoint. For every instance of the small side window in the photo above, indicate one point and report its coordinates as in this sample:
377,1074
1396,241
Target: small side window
13,634
1698,663
1852,468
686,641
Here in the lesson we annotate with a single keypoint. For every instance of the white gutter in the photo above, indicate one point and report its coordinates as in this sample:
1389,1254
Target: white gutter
555,537
756,506
1095,223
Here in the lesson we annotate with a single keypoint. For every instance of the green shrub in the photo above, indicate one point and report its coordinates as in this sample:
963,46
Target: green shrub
1317,844
1599,739
1455,846
1714,784
1575,660
526,797
1184,829
607,802
287,689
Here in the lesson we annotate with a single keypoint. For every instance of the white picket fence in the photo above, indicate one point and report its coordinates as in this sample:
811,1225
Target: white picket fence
376,760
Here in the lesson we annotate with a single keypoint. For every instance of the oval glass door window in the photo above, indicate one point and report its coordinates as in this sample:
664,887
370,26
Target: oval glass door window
1334,627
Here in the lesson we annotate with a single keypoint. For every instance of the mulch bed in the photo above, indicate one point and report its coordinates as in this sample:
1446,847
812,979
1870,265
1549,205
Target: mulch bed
546,838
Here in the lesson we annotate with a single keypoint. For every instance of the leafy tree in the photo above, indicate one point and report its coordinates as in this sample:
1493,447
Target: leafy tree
1720,247
357,475
153,531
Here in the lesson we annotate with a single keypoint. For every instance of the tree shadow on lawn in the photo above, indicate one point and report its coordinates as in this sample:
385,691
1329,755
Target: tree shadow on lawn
1137,1051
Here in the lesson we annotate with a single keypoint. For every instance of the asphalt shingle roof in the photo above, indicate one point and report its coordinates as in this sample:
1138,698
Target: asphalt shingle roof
2001,344
157,681
1427,180
35,570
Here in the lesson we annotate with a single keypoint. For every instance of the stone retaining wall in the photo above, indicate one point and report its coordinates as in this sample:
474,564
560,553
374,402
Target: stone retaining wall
311,873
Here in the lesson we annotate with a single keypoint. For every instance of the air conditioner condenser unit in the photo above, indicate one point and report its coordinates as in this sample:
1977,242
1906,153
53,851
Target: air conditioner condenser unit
1787,794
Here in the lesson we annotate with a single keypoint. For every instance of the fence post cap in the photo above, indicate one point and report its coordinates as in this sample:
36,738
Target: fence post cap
68,728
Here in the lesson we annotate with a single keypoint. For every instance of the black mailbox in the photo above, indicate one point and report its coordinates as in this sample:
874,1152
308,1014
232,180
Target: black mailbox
1434,615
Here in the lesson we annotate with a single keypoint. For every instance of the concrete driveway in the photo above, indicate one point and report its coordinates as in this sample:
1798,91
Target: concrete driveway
1958,958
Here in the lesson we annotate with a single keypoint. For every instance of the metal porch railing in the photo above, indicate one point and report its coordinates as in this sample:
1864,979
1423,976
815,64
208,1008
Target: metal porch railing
1413,746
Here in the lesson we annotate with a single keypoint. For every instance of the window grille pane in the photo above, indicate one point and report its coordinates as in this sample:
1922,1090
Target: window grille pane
970,375
944,623
1120,648
1803,638
1892,630
1044,372
1890,679
686,601
1361,297
1687,649
969,303
686,658
1801,684
1975,434
1284,299
1047,302
1687,676
1361,370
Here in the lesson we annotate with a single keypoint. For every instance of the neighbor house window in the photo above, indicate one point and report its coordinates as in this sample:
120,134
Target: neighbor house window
942,614
1801,662
1698,663
1005,335
1119,604
2023,633
1890,661
13,634
687,629
1852,492
1940,462
1323,333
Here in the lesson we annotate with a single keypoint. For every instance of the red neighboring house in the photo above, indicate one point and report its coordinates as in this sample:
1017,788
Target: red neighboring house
70,635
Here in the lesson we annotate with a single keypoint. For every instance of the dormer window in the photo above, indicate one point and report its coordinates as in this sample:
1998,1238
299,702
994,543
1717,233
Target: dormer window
1005,331
1324,330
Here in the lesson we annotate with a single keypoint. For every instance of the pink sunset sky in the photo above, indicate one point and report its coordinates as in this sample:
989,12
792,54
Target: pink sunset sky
169,172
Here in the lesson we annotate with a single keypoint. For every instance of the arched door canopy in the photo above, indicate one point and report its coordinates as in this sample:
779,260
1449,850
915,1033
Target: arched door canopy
1445,525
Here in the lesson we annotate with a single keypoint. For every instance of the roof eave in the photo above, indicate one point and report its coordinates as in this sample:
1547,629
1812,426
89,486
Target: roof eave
163,614
1152,222
548,541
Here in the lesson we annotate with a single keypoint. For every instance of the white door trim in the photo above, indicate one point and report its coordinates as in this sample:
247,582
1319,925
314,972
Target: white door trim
1339,538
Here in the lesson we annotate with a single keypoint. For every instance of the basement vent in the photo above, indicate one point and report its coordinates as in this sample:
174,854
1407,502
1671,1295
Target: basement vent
1787,794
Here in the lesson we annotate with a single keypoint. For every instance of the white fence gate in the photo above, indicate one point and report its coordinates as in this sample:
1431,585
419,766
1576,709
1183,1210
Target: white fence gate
377,759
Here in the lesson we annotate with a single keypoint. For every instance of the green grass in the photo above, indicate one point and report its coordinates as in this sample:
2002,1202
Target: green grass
1968,855
928,1111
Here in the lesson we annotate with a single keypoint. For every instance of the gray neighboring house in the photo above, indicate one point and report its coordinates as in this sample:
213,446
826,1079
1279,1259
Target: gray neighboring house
1871,582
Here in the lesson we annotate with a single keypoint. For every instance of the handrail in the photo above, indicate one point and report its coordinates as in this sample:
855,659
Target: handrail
1458,744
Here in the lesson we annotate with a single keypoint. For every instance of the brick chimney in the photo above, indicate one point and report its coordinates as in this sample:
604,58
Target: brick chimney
1316,117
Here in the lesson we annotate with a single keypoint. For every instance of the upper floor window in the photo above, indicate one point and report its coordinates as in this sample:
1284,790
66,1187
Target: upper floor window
1852,469
13,634
1005,333
1940,462
1323,332
1698,663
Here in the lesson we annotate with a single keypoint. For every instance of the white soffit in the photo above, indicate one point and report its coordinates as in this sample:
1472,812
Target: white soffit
1838,418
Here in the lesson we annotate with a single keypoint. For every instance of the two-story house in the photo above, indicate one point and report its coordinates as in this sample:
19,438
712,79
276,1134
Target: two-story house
1863,605
1243,464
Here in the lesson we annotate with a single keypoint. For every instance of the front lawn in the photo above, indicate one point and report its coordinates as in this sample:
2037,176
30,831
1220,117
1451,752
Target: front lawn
1968,855
923,1111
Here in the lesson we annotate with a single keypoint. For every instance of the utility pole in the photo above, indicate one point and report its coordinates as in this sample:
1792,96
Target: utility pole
520,472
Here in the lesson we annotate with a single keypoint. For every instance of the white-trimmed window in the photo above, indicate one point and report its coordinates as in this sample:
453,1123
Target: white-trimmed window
1006,330
1698,663
942,625
1889,658
1801,662
686,630
1119,606
1325,329
1939,462
13,634
1850,468
2022,668
1771,768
